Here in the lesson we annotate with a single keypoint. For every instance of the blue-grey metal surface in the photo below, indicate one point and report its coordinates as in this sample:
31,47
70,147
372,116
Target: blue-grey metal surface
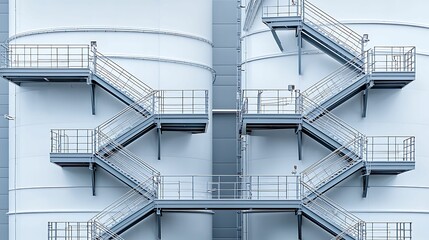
225,60
4,133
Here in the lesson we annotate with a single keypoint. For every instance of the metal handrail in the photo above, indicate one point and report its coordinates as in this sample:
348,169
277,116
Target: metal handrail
123,160
319,21
390,148
338,80
127,119
271,101
332,28
79,231
326,169
129,203
230,187
332,212
392,59
388,230
72,141
47,56
118,77
328,123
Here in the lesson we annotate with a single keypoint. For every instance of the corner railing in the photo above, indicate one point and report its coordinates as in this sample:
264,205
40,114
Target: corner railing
388,230
390,148
392,59
72,140
128,204
319,21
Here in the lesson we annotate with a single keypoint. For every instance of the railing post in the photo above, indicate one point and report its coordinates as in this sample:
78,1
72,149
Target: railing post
206,101
258,102
94,56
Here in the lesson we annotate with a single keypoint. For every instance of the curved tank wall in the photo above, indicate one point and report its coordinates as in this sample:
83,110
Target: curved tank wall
165,43
390,112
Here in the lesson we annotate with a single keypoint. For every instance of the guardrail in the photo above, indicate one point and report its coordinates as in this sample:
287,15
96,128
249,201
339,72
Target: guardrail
220,187
330,166
392,59
271,101
47,56
390,148
330,124
331,212
181,102
320,21
388,230
72,140
78,231
131,202
118,76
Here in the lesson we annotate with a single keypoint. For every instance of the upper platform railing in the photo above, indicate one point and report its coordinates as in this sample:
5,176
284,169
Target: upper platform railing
229,187
319,21
391,59
46,56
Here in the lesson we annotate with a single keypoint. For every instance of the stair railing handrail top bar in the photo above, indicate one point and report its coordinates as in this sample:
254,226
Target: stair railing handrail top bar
358,226
137,104
340,71
332,116
350,32
327,200
234,175
333,153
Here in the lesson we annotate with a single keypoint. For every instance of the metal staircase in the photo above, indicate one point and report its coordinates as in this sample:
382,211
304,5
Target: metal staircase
317,27
309,112
128,210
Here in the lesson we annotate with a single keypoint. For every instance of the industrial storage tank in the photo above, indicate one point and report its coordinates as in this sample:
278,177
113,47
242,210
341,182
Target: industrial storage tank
396,112
167,45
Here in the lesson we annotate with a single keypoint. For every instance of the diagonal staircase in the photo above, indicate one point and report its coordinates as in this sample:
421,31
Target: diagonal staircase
316,27
128,210
116,80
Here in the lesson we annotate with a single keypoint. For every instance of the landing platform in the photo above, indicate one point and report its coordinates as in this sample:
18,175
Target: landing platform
25,75
270,121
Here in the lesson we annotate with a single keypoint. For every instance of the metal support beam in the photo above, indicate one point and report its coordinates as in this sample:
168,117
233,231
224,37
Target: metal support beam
92,168
299,217
276,37
158,220
93,98
299,39
299,138
158,130
365,101
365,183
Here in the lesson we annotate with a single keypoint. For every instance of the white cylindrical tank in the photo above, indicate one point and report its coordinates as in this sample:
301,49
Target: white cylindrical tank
166,44
390,112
